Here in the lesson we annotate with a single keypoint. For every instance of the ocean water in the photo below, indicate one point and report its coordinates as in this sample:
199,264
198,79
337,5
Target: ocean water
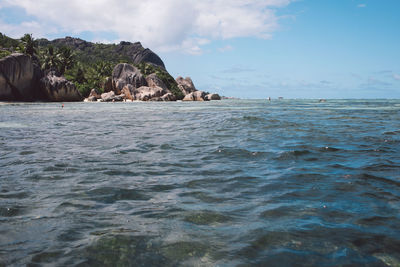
224,183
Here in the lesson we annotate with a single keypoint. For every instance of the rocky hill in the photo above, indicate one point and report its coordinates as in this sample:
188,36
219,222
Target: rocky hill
91,53
70,69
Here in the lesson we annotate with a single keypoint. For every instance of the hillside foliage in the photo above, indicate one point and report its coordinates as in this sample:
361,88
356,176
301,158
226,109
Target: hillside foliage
86,64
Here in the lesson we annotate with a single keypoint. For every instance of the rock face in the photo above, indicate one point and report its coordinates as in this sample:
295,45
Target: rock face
18,78
146,93
107,85
93,96
191,93
146,55
186,85
129,81
124,74
212,97
195,96
153,81
59,89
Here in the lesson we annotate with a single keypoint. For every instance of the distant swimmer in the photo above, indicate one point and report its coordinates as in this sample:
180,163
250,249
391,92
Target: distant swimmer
322,100
269,98
62,106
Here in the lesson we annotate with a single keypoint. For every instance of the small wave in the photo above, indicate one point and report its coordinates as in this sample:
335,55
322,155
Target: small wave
110,195
392,132
382,167
329,149
375,220
120,173
369,177
11,211
293,154
240,153
206,217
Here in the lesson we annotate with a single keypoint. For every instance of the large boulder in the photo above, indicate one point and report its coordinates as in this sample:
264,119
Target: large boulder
107,97
146,55
18,78
124,74
154,81
186,85
146,93
128,90
195,96
107,84
111,97
59,89
93,96
168,97
212,97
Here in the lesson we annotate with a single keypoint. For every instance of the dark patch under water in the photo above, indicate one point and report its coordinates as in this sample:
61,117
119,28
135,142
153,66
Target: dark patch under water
229,183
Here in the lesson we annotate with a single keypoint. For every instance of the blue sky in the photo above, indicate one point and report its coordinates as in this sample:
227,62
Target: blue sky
241,48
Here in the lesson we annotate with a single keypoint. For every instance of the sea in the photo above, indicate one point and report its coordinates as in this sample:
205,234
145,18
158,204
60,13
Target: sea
220,183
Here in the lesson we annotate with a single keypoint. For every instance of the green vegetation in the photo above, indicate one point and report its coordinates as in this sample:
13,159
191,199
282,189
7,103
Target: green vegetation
87,77
7,42
86,64
28,45
4,53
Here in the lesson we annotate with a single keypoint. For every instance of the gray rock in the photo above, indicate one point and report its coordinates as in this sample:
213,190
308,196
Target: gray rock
154,81
95,93
107,85
195,96
186,85
17,78
107,97
124,74
59,89
90,99
168,97
146,93
146,55
128,91
212,97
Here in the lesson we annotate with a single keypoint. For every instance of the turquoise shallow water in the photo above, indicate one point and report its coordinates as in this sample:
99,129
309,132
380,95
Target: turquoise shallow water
225,183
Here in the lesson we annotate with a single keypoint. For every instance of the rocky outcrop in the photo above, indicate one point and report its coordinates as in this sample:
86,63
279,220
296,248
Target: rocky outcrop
128,91
107,97
168,97
93,96
146,93
154,81
107,85
195,96
124,74
129,81
18,78
146,55
191,93
59,89
212,97
185,85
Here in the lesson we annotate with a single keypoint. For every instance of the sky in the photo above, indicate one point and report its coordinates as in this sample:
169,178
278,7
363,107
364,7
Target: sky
240,48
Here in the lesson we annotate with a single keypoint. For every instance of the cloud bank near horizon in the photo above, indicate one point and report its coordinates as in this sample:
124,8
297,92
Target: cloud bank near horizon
165,25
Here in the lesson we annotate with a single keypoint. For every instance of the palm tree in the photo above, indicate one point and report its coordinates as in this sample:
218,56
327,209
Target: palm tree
66,59
50,59
29,45
98,72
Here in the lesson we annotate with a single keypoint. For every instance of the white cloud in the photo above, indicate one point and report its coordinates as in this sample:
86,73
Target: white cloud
396,77
165,25
362,5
